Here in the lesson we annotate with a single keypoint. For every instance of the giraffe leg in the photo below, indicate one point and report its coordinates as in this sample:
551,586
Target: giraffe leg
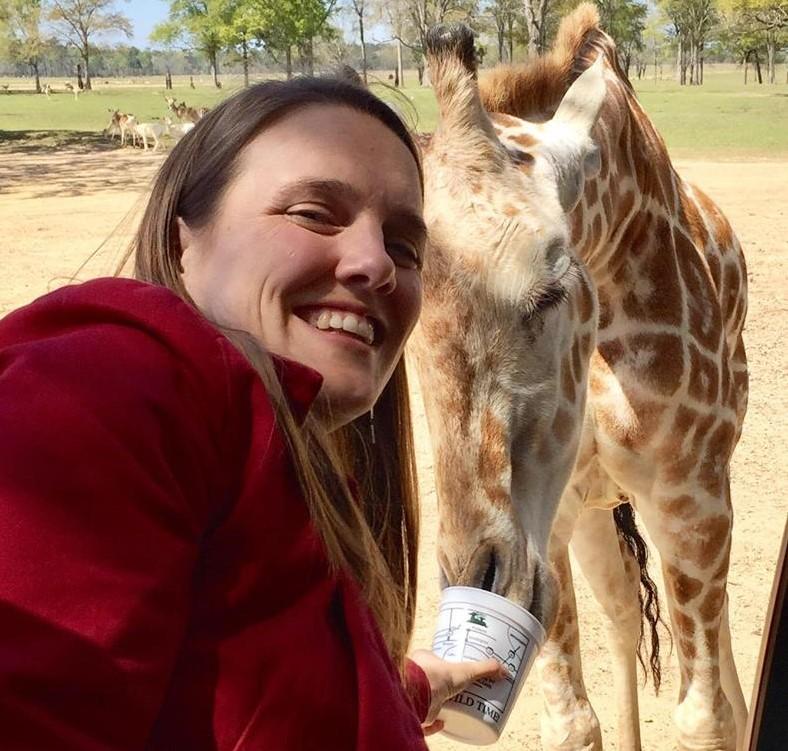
730,678
613,575
568,721
694,545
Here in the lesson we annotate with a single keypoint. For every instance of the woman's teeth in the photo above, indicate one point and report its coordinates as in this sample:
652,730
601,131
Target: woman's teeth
342,321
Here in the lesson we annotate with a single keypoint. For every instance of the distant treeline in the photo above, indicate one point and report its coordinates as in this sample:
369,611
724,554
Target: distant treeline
127,61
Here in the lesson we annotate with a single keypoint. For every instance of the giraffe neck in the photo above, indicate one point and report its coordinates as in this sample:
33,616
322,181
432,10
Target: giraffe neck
635,185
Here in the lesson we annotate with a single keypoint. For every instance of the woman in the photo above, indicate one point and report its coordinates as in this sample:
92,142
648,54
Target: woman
208,537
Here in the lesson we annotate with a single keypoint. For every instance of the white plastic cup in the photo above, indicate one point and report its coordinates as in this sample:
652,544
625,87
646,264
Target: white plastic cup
474,624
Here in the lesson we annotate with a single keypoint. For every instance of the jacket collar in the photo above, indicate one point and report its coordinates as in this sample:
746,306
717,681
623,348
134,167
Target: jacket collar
300,384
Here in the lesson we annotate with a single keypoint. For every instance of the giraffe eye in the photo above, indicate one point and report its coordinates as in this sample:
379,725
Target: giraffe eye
520,157
553,297
549,298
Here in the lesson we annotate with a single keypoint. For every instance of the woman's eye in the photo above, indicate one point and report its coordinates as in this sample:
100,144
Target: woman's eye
404,254
312,214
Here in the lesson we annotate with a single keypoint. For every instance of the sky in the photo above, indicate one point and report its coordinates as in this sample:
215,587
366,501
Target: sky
145,14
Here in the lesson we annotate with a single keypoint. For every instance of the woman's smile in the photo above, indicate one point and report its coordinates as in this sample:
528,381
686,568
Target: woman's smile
357,325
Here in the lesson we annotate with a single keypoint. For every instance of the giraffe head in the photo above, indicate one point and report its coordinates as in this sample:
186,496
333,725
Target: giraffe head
508,323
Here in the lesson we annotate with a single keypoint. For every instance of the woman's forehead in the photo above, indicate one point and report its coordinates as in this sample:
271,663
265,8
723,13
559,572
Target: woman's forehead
326,142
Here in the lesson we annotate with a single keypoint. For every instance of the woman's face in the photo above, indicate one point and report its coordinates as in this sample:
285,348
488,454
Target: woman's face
316,250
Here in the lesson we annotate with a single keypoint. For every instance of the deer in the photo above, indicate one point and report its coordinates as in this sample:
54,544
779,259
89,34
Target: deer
154,131
183,111
176,131
73,89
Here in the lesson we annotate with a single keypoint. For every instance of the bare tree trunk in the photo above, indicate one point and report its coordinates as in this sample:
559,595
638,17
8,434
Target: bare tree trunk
510,34
34,66
758,67
363,47
80,82
679,58
215,70
245,54
400,73
694,64
309,56
289,62
535,11
86,58
746,65
500,34
685,57
770,55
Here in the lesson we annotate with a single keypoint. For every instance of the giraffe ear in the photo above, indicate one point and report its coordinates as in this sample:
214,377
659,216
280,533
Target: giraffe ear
568,143
581,104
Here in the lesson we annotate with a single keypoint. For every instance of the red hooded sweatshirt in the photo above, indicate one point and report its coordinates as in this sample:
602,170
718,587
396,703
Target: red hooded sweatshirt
161,584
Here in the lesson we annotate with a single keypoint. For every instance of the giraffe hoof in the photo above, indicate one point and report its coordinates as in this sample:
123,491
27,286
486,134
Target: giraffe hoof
453,40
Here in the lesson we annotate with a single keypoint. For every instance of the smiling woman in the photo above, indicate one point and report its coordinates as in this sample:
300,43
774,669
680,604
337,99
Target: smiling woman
343,251
233,543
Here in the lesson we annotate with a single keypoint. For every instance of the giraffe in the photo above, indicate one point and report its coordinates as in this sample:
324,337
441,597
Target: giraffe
580,354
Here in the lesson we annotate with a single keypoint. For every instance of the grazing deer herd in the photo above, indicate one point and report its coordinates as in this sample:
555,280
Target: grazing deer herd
126,125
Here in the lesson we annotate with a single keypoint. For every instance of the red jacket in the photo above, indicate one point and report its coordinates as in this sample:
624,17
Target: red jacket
161,584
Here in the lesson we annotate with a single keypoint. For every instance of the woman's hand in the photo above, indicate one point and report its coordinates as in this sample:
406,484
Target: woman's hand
447,679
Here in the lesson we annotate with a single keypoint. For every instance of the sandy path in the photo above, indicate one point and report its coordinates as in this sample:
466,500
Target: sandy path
56,209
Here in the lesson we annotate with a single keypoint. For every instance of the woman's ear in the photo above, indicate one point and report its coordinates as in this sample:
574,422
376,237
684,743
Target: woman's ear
185,235
187,241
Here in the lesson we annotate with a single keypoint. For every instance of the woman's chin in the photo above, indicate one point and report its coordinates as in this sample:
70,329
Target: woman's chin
336,407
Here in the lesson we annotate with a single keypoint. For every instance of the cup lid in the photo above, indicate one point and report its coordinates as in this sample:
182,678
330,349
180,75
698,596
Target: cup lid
481,598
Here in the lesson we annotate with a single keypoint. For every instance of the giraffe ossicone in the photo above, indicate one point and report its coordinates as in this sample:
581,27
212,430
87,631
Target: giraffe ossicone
579,349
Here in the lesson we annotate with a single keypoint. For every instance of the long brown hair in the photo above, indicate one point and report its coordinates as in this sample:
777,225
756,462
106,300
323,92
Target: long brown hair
373,537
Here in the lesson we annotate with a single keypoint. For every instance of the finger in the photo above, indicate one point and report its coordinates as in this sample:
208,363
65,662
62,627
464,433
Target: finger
433,728
490,668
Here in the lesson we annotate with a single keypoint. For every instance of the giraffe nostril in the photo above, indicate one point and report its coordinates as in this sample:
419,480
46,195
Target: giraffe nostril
489,575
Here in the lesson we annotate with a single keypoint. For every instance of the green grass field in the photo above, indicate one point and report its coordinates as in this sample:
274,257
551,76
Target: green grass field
721,119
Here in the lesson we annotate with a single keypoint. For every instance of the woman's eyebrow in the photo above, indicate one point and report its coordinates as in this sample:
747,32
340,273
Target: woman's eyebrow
326,187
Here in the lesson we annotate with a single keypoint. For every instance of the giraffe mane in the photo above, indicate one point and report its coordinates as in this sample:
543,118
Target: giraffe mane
536,87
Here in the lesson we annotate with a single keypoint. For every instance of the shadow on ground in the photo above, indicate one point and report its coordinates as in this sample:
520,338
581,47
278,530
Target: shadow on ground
41,141
61,164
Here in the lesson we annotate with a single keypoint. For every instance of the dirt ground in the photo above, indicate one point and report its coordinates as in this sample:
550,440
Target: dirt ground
58,208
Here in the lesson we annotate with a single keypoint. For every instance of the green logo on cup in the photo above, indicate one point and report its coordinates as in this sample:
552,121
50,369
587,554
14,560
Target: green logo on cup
477,619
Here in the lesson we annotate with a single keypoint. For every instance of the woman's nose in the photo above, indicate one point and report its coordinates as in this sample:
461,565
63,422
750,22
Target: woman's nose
365,262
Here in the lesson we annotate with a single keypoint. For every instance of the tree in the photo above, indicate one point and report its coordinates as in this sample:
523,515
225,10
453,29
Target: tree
692,21
653,42
360,7
294,24
200,24
241,30
507,17
536,12
20,21
625,21
79,22
410,20
739,39
769,17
